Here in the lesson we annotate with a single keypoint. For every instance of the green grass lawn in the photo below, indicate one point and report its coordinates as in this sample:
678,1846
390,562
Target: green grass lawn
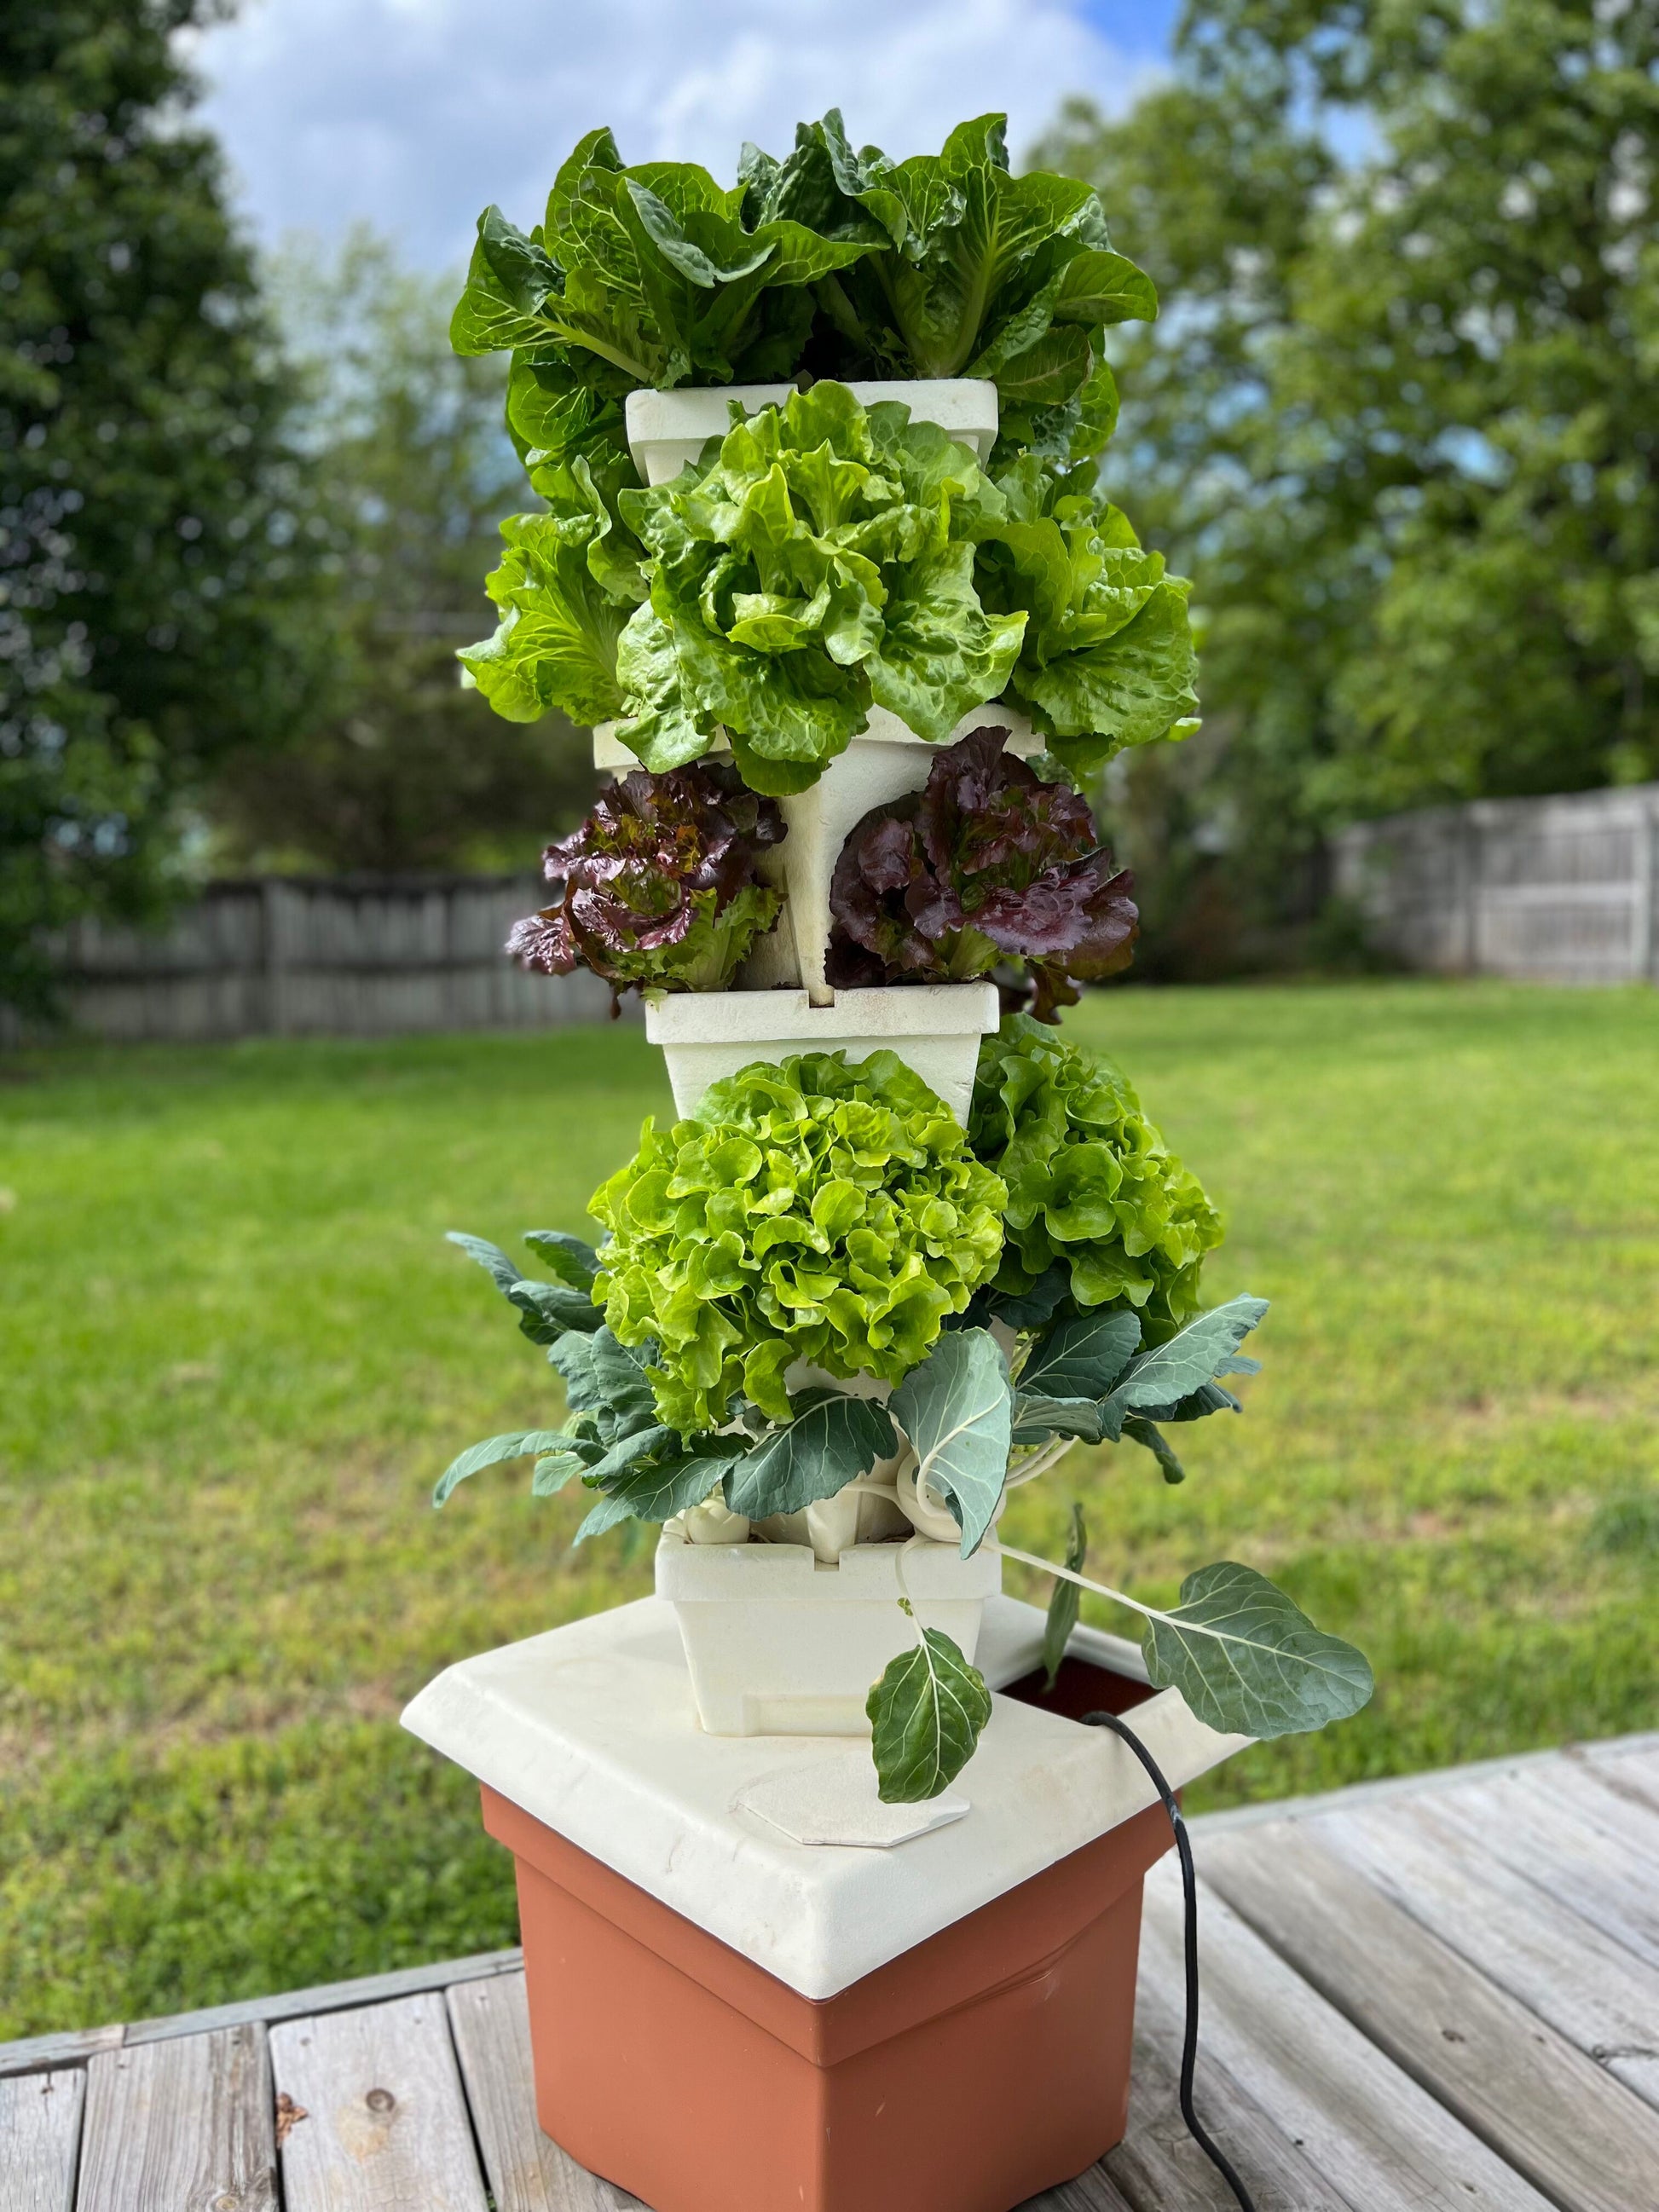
234,1352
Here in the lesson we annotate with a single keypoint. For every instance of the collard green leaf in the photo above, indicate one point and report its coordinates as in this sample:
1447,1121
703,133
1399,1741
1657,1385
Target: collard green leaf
608,1379
1205,1348
553,1471
927,1713
1036,1418
1141,1430
1082,1357
547,1310
831,1443
571,1259
518,1444
1064,1601
1248,1661
503,1272
1208,1398
1026,1309
654,1489
956,1410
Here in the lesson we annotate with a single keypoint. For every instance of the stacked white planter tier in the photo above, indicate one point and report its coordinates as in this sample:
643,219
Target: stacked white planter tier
777,1639
884,762
781,1642
668,429
934,1028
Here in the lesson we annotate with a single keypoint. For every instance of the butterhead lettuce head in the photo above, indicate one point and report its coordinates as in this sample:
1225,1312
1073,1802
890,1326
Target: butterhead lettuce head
813,1210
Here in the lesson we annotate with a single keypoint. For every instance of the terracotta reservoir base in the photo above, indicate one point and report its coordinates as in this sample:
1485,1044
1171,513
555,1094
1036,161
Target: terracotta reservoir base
987,2063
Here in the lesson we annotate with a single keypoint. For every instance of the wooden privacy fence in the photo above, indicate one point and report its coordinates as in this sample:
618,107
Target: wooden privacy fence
1554,890
348,956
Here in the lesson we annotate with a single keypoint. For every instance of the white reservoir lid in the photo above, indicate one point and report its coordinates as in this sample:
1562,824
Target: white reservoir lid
591,1729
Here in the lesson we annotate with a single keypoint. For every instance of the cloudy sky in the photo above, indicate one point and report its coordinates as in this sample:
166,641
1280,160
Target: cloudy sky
414,114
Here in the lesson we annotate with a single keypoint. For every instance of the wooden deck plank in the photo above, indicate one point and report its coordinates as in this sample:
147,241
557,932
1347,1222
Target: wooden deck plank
1550,2111
1631,1769
39,2054
1379,2140
41,2140
1609,1795
1645,1742
36,2052
385,2125
1094,2191
183,2124
1588,1987
526,2170
1567,1850
1158,2165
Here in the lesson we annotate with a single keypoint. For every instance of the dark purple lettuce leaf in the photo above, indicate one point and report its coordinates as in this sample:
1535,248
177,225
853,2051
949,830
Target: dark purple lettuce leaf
659,887
989,864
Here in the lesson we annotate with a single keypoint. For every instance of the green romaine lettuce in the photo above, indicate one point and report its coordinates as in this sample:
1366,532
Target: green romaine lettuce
1107,658
817,559
812,1211
567,585
1091,1183
976,272
644,276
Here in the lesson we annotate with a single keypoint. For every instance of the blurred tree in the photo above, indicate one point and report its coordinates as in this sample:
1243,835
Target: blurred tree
154,561
1399,416
399,768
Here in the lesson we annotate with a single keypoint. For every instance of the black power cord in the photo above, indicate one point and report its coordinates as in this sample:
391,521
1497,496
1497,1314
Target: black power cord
1217,2157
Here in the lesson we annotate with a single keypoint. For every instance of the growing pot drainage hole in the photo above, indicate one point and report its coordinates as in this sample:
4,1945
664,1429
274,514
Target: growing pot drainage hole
1212,2151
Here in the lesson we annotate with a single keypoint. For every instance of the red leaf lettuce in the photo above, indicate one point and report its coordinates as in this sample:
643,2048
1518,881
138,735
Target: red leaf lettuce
987,863
658,888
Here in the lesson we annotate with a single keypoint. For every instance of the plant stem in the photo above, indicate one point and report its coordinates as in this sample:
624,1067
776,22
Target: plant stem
1050,1456
1070,1575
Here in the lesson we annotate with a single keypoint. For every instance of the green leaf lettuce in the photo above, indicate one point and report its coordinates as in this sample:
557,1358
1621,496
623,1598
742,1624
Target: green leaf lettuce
812,1211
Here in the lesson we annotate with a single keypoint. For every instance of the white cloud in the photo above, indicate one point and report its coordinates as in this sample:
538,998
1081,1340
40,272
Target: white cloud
414,114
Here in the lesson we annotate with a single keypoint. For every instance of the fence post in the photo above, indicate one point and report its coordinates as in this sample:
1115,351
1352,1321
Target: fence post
1471,860
1646,891
271,957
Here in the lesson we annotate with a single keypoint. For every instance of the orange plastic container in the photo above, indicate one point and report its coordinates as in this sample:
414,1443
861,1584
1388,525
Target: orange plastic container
986,2064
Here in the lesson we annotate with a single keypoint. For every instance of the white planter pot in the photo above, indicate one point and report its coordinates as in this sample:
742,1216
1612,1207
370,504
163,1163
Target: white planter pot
934,1028
880,765
780,1643
667,429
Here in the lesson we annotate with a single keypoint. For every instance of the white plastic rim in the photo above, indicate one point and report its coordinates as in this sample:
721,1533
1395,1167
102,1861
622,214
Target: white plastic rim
778,1643
668,429
934,1028
884,762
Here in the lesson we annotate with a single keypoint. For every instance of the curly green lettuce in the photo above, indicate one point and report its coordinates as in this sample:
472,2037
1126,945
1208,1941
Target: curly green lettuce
817,559
1093,1191
813,1210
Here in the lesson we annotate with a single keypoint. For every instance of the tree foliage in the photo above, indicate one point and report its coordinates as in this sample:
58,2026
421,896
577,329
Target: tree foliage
1400,425
396,767
154,571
